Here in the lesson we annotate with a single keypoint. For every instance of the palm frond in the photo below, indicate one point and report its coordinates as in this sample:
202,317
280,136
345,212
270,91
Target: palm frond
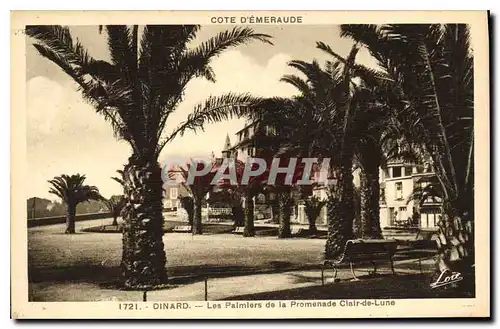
215,109
97,80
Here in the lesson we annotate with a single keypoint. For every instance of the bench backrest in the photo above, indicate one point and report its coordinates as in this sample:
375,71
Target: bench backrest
361,250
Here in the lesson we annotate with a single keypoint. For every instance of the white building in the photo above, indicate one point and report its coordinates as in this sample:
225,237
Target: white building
397,183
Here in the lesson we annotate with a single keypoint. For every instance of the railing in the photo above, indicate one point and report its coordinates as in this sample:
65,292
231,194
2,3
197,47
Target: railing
62,219
219,211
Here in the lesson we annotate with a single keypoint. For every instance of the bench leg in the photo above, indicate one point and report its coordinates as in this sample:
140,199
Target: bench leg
355,278
322,275
392,267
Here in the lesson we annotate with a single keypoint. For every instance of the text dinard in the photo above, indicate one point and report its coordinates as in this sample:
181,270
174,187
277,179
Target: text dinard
256,20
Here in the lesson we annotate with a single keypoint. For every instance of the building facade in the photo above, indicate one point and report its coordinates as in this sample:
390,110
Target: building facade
398,181
171,195
398,208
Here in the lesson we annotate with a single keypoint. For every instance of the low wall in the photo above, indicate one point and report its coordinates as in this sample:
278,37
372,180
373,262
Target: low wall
62,219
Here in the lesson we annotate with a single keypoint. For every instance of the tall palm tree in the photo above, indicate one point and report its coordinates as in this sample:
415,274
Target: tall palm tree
72,191
339,106
429,69
320,124
369,127
136,92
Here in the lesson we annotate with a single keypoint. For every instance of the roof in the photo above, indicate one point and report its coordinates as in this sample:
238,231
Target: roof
227,144
247,125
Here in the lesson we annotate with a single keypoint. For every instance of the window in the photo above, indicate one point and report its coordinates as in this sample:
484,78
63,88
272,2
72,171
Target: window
174,193
382,195
399,190
250,151
429,217
168,204
419,169
396,171
428,168
402,214
408,170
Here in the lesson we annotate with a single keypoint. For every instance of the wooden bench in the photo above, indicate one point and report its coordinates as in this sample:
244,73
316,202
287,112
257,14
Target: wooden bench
363,251
182,229
239,230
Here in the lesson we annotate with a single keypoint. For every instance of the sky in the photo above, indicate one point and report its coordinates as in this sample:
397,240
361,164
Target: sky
66,136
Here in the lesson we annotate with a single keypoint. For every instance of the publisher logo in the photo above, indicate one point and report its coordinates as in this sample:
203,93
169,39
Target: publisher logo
447,277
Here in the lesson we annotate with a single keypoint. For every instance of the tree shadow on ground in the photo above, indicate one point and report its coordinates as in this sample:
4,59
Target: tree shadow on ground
109,275
378,287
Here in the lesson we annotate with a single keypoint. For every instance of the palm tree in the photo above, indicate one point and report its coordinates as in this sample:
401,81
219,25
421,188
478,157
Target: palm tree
429,69
330,93
247,193
136,92
313,206
115,205
72,192
200,186
369,127
319,123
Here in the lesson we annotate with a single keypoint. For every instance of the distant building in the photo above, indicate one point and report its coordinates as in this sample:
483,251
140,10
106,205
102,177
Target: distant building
171,196
254,140
251,140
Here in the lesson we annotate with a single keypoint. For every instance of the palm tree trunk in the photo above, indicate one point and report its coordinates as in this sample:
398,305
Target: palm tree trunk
143,259
370,194
312,225
340,210
70,219
197,227
456,244
115,220
238,215
249,216
285,212
275,210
